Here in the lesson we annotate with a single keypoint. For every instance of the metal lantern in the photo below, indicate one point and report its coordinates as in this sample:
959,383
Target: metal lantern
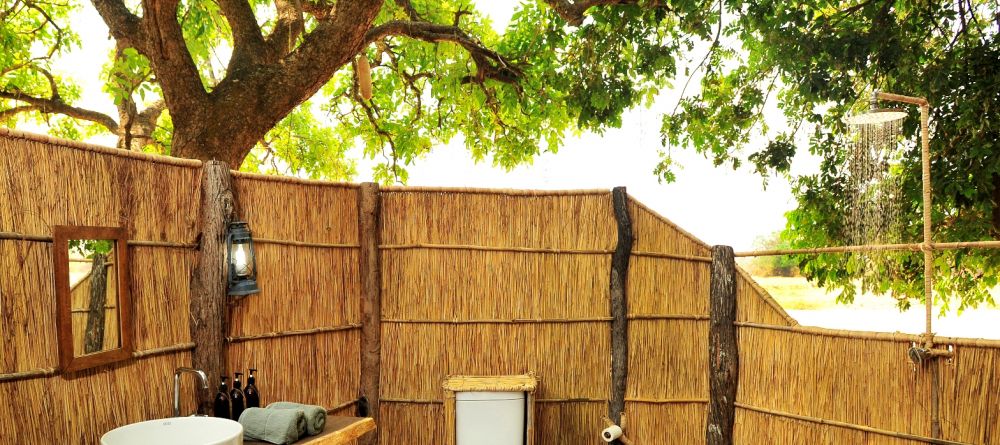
241,263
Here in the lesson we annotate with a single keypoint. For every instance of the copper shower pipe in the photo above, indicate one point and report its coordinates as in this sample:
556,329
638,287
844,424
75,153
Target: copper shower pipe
927,247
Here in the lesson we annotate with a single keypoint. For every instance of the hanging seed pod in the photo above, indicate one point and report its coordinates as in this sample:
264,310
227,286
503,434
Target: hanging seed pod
364,72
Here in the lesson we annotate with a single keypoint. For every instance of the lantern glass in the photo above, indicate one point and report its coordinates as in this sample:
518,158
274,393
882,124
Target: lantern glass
241,262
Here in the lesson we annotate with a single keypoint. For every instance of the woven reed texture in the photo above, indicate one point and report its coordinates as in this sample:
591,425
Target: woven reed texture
862,381
541,259
303,288
498,220
572,360
45,183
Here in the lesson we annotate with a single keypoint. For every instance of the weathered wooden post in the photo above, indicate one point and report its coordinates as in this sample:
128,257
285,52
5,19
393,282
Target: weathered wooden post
723,352
619,305
369,268
209,280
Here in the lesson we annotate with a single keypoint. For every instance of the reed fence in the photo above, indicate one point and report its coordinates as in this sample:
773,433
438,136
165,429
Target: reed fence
47,182
469,282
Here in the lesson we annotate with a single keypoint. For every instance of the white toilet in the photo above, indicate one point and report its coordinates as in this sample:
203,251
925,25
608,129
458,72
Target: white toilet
490,418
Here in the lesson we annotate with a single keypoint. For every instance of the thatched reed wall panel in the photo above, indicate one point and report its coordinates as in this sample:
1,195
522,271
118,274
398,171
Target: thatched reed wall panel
572,360
668,359
654,233
434,284
161,295
858,381
27,322
756,427
301,288
669,423
296,211
499,220
321,369
46,183
569,423
753,303
473,287
80,410
970,402
664,286
411,423
57,184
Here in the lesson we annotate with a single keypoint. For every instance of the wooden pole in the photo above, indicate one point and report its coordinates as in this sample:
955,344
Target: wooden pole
934,367
369,269
619,305
723,351
208,279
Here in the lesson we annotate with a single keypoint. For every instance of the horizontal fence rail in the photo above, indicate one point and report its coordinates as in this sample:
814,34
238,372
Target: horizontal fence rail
911,247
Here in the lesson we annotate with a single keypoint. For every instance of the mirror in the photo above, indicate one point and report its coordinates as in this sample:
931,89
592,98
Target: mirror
92,299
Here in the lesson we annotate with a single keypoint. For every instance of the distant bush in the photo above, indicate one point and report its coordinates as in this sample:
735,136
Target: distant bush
771,266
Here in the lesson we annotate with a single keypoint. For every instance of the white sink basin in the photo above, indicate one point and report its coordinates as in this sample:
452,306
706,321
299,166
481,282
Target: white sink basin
177,431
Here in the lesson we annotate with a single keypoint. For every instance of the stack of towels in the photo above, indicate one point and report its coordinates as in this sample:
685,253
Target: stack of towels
282,422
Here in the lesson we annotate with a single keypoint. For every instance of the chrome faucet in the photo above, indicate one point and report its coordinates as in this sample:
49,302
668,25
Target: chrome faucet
177,385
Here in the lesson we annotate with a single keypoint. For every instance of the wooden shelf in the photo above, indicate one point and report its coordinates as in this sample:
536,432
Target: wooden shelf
339,430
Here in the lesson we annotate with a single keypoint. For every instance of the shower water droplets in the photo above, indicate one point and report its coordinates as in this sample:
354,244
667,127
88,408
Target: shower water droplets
874,186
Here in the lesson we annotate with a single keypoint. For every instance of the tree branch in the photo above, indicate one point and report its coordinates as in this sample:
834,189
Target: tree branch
248,42
490,64
287,28
176,71
125,26
59,107
4,114
136,129
573,11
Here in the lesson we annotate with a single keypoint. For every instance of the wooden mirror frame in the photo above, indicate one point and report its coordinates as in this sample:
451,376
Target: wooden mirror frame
61,235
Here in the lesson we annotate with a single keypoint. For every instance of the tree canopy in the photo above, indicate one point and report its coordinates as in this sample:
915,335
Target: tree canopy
819,61
273,85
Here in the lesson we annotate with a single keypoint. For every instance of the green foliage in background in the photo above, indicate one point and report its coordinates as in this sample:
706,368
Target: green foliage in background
772,266
818,61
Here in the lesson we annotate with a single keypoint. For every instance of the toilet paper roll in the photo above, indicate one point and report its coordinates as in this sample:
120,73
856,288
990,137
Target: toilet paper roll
611,433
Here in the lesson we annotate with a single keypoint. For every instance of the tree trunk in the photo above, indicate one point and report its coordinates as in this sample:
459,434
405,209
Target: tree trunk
369,213
723,352
94,336
242,108
619,305
209,280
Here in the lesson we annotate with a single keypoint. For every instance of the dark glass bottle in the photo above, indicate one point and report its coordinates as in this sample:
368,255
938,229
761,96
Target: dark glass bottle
237,398
253,396
222,405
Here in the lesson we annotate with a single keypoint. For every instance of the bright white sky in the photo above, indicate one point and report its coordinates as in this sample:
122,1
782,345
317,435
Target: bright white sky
719,206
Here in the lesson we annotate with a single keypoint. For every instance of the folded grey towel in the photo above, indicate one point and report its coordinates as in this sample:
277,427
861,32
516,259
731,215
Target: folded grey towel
315,415
278,426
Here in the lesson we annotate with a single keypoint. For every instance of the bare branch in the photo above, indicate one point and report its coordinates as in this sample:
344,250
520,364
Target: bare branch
490,64
4,114
59,107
